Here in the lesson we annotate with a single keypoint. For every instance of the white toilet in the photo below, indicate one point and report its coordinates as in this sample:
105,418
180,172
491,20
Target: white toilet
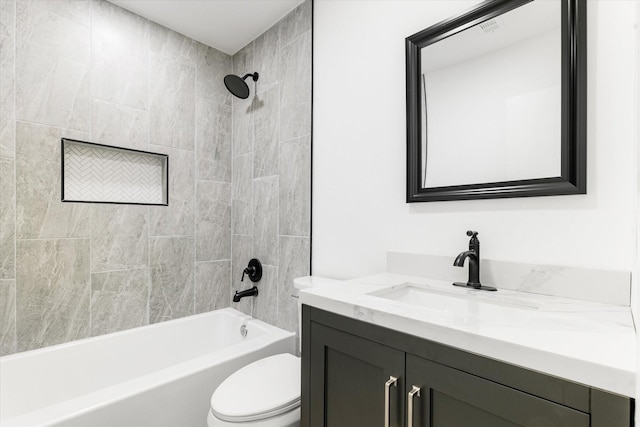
265,393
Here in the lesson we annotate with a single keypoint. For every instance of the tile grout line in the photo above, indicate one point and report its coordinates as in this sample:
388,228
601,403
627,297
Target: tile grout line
118,104
15,179
297,38
91,136
213,181
149,209
195,184
230,284
56,127
119,270
278,261
295,139
168,147
252,125
211,261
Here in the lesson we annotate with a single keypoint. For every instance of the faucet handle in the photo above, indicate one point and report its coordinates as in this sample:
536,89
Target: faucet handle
253,270
472,234
248,271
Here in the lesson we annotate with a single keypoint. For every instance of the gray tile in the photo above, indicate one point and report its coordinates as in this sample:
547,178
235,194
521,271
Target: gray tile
296,23
172,109
265,220
265,305
7,317
7,79
7,219
52,69
295,88
213,141
243,129
75,10
177,219
213,221
212,66
172,278
52,294
242,253
7,19
173,45
294,262
40,213
119,65
119,237
213,285
295,187
243,62
243,125
118,125
242,195
267,124
7,99
266,49
243,117
119,300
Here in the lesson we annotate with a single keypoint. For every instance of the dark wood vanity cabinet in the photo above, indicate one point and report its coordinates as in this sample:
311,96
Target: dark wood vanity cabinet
349,375
357,374
449,397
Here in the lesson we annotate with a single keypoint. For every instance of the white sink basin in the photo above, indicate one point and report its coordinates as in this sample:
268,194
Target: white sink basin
445,300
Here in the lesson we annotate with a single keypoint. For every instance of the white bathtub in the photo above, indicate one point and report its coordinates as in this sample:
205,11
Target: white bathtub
161,375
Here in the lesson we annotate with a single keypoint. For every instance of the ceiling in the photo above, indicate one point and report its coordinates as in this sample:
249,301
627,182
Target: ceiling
227,25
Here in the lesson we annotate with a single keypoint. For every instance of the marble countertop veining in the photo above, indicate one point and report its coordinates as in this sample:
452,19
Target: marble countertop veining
586,342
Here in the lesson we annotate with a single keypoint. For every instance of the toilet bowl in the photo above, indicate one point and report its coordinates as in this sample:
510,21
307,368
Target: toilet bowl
265,393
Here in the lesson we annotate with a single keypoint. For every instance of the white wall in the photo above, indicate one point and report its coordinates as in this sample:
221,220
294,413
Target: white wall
359,209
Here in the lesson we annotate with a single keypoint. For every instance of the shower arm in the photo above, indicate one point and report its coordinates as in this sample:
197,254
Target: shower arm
254,76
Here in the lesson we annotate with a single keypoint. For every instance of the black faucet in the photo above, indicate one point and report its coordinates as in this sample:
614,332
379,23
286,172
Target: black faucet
254,272
248,293
474,264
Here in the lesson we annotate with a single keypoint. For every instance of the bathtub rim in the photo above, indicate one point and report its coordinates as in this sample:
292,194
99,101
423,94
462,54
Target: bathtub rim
105,396
86,340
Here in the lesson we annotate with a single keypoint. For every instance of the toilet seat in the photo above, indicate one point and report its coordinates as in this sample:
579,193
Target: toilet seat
265,388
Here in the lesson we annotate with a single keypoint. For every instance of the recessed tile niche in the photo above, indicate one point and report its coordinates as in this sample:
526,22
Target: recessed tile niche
99,173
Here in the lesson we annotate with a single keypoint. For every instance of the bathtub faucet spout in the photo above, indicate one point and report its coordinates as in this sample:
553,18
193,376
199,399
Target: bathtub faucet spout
248,293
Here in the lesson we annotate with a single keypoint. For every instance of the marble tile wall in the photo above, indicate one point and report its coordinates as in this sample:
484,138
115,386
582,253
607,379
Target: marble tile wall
271,156
89,70
7,178
239,180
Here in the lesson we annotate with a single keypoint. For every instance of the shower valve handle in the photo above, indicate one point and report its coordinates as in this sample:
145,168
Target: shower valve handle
249,271
253,271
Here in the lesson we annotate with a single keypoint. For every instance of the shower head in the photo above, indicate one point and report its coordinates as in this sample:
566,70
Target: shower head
237,85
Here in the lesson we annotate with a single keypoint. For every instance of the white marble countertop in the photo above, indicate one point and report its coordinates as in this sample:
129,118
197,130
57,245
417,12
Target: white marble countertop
586,342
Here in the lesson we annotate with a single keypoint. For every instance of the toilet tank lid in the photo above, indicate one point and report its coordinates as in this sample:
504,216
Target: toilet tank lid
264,388
312,281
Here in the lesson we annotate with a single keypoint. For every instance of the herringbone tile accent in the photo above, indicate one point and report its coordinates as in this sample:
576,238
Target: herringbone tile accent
102,174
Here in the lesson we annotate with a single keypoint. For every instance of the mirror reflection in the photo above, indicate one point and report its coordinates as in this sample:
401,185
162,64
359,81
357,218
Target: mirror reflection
491,100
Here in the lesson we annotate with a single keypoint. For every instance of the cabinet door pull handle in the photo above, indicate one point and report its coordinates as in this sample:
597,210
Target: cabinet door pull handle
393,381
414,391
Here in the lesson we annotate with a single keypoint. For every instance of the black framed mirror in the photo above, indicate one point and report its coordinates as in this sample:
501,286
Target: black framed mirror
496,102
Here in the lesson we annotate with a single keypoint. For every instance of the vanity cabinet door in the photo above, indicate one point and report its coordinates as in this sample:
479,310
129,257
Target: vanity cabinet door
348,377
449,397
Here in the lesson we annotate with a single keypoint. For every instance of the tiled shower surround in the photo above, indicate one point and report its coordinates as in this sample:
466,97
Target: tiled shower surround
239,171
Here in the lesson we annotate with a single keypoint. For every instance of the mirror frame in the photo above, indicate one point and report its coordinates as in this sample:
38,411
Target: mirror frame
573,176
